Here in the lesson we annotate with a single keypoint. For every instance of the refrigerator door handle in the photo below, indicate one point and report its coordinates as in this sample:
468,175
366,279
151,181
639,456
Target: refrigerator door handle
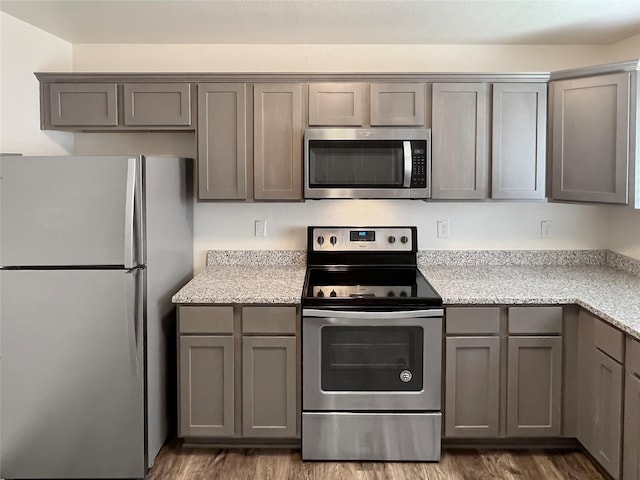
133,319
129,219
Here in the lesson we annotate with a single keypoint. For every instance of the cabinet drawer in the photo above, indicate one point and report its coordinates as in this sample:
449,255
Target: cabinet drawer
609,340
472,320
535,320
266,320
206,319
633,356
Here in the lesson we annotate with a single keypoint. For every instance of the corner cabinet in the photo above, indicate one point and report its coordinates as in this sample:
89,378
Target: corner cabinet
594,135
238,372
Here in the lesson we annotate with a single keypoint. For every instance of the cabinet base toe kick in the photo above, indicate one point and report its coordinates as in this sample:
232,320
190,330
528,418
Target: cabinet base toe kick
371,436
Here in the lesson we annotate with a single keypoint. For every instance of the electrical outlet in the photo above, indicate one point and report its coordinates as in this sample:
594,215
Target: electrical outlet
545,229
261,228
443,228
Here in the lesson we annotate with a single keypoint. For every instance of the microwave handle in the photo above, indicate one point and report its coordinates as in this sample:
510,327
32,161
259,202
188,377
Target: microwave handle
408,164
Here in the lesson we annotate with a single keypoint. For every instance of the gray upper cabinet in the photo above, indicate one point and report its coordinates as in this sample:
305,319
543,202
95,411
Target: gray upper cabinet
277,141
519,140
157,104
534,386
336,104
590,139
222,141
397,104
82,104
459,141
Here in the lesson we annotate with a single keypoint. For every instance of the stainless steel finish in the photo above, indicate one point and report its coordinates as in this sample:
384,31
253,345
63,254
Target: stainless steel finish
131,321
408,167
378,133
343,242
371,436
129,214
363,315
314,398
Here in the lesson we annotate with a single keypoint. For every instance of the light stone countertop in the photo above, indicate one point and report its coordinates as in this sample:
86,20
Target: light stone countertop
610,293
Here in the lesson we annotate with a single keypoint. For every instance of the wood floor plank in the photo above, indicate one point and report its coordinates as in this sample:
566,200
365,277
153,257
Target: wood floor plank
179,462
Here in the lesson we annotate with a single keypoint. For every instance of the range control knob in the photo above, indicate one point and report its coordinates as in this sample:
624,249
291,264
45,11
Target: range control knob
333,293
320,240
391,294
320,293
392,239
404,239
333,241
403,293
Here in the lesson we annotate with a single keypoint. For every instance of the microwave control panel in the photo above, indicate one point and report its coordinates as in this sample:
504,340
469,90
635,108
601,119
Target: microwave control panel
419,164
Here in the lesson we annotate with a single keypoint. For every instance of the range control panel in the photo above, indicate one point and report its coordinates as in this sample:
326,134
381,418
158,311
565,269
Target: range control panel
354,239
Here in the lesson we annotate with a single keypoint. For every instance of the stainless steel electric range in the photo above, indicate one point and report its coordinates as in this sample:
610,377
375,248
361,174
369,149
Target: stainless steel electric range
371,348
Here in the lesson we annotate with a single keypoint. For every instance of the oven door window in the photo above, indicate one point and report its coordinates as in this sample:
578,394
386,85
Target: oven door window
371,359
349,163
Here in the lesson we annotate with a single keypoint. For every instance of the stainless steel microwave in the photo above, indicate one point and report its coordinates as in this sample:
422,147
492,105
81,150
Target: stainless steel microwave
367,163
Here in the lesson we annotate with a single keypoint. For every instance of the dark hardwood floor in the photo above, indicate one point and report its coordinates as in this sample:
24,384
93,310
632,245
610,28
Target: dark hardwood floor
178,462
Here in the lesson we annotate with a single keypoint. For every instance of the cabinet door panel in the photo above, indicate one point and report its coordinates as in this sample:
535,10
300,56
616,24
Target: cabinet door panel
591,139
222,155
278,130
608,413
459,141
269,386
519,141
397,104
631,459
336,104
534,386
84,104
206,386
157,104
472,386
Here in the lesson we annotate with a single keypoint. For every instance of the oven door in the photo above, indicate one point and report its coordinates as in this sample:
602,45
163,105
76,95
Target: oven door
371,360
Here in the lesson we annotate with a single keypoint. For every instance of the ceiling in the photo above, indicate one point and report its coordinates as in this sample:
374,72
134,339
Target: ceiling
599,22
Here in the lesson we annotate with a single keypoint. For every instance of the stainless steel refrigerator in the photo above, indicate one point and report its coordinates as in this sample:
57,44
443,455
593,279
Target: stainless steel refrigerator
91,248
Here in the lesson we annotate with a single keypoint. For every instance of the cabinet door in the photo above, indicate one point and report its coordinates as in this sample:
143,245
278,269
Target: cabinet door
472,386
519,141
336,104
222,155
590,143
459,141
534,386
607,420
631,459
269,386
397,104
157,104
278,130
206,386
83,104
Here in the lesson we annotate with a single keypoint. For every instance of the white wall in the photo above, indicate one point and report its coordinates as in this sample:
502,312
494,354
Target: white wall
24,50
628,49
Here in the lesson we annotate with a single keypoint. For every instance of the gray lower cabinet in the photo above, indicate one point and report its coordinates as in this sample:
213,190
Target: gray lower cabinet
631,435
534,386
80,105
222,139
277,141
459,135
157,104
519,141
238,372
206,386
269,386
472,387
590,138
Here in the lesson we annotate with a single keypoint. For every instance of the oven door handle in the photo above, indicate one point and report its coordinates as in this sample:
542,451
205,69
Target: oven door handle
363,315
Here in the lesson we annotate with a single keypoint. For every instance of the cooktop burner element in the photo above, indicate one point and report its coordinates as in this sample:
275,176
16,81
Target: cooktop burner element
365,267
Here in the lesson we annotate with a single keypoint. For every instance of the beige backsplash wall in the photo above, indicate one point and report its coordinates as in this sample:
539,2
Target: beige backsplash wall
481,225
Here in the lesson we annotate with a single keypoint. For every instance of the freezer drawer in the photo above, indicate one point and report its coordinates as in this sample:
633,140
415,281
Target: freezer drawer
72,374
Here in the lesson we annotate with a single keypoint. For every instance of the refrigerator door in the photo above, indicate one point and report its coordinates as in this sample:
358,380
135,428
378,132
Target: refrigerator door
59,211
72,378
